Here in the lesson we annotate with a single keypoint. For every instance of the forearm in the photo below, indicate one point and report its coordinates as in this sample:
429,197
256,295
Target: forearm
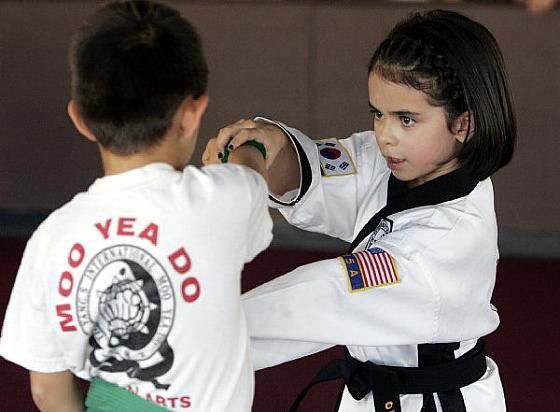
56,392
251,157
284,172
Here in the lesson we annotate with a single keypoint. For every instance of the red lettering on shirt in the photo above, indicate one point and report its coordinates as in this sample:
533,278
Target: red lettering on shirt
190,289
150,233
182,402
104,229
65,284
66,322
185,401
125,225
172,401
180,260
76,255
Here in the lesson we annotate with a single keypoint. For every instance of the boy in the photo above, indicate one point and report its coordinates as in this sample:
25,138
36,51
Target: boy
124,283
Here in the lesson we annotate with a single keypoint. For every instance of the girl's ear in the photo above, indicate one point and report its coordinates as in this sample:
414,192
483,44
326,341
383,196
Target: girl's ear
463,127
76,118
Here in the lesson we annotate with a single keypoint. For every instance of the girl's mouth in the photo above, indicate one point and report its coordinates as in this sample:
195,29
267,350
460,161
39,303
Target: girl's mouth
393,163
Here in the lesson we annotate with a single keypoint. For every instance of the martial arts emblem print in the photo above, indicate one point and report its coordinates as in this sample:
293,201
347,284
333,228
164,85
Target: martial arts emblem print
125,302
370,268
335,160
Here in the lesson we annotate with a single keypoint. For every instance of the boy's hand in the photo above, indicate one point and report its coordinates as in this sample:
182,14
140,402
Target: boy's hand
270,135
210,155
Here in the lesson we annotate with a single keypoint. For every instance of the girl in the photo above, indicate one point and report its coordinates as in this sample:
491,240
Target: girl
411,299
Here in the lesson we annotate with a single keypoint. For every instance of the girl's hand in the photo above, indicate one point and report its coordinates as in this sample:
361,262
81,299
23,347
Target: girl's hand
271,136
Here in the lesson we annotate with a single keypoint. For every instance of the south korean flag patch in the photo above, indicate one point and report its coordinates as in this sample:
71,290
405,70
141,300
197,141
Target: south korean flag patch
369,269
335,160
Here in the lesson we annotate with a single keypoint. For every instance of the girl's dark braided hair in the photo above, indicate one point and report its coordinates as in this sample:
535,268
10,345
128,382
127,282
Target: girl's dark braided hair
409,58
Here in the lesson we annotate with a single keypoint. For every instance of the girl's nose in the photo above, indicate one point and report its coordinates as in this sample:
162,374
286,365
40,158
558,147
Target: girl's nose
385,134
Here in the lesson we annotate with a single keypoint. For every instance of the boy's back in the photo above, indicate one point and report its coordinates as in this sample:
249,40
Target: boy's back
148,263
137,280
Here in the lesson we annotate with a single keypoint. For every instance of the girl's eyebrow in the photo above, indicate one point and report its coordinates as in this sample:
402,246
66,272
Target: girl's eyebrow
406,113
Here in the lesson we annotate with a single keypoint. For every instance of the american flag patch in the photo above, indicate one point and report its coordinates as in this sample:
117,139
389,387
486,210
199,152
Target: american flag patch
369,269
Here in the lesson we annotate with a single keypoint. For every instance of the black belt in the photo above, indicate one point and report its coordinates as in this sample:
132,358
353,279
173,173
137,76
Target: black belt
388,382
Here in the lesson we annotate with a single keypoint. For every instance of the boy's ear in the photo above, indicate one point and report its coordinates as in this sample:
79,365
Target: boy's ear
74,114
463,127
191,113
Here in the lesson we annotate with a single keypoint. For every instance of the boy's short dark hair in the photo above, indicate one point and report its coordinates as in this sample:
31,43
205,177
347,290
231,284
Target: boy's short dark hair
458,64
133,64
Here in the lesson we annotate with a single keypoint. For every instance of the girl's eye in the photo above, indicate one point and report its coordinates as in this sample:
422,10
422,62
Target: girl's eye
407,121
376,114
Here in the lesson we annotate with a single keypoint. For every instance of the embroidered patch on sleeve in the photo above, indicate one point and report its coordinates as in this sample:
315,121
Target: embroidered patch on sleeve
335,160
370,268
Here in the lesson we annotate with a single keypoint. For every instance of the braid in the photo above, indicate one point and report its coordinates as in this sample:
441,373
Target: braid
415,57
418,63
446,87
458,64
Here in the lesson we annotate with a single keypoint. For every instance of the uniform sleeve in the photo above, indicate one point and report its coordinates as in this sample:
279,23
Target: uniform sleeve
337,178
333,302
266,353
28,338
235,199
259,226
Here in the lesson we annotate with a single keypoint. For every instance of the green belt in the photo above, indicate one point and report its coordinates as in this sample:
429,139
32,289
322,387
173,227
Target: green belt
105,397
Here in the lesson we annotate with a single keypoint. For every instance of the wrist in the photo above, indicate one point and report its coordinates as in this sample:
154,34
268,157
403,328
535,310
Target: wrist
251,157
275,132
257,145
250,143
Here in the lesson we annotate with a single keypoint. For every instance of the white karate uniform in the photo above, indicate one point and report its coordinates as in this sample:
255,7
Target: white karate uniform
444,258
137,281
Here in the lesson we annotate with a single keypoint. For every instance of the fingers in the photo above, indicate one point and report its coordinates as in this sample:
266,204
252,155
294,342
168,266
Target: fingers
250,133
229,134
271,136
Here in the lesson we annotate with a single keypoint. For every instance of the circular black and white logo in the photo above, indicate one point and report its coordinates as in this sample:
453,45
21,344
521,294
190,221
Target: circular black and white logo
126,304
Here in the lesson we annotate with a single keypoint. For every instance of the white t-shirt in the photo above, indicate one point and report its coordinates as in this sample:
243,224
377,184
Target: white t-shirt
137,281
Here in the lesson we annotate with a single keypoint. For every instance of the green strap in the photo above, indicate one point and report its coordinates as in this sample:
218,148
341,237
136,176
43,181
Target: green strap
106,397
253,143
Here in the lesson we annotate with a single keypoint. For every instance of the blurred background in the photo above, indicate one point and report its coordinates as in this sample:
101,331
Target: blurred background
305,63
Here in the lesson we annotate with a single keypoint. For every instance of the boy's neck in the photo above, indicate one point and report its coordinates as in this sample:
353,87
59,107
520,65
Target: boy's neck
114,163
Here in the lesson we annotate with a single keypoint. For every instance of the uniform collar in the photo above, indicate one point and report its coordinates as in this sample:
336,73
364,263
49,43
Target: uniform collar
444,188
450,186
